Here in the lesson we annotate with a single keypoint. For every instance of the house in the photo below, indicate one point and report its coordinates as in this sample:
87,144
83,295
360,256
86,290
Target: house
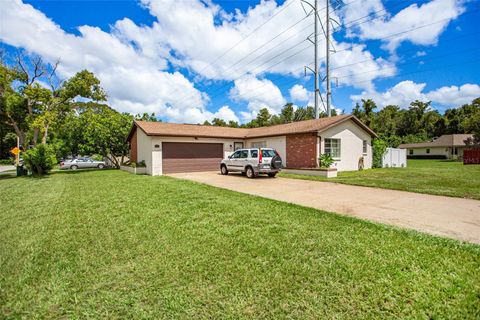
170,147
448,146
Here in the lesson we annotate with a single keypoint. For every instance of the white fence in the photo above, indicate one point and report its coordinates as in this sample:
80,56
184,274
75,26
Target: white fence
394,157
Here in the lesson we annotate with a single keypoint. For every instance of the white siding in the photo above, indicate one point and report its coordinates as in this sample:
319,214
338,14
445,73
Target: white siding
157,151
278,143
438,151
144,149
351,136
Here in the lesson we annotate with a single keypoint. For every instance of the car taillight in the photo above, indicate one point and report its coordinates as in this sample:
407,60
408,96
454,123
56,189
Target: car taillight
260,156
61,163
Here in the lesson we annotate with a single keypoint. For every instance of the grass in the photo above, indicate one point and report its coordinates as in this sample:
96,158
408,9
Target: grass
438,177
107,244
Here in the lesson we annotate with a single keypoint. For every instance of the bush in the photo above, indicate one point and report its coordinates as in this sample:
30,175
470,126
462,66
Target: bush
41,159
325,160
379,149
140,164
6,162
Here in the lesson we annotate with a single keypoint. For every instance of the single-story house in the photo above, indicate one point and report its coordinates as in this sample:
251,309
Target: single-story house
448,146
171,147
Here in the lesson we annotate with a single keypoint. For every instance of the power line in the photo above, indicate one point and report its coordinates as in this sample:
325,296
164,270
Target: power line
411,62
414,72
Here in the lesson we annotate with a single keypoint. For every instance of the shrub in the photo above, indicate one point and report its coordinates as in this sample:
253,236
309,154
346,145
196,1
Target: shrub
379,149
325,160
140,164
6,162
41,159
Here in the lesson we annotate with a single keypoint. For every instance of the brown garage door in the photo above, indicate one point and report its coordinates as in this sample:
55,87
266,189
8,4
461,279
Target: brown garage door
190,157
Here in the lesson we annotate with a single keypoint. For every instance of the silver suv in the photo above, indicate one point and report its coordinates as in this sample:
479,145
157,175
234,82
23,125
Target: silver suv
253,162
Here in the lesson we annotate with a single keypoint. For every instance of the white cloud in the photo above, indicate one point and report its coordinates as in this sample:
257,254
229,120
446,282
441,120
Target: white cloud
411,17
403,93
134,62
189,28
455,96
134,81
298,93
258,93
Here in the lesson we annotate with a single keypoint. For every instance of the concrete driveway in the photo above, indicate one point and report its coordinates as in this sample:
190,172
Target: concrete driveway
444,216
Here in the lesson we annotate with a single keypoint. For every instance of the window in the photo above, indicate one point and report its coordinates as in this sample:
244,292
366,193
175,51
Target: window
455,151
428,151
236,155
332,147
243,154
410,151
365,146
254,153
268,153
237,145
259,144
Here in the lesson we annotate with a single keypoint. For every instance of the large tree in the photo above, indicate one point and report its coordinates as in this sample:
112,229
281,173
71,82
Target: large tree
34,99
97,129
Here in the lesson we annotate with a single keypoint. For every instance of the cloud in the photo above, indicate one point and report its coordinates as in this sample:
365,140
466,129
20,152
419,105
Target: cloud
142,67
411,17
454,96
258,93
134,81
403,93
201,44
298,93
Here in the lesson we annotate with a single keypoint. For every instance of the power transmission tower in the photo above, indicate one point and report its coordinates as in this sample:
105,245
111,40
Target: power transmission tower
327,63
316,93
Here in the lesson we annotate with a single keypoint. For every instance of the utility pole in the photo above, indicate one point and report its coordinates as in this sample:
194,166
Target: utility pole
327,64
315,17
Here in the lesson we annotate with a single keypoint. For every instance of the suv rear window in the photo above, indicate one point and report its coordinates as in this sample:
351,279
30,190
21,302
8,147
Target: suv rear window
268,153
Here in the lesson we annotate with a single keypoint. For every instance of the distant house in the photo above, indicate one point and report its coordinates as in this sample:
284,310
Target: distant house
448,146
171,147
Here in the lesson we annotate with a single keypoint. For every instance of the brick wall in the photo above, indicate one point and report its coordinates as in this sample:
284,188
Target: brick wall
302,150
133,147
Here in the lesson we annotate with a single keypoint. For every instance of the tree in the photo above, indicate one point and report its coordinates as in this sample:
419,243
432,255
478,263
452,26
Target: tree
219,122
233,124
34,98
98,129
263,118
146,117
301,114
287,113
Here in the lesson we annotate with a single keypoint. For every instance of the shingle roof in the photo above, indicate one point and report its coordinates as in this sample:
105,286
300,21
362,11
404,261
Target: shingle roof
195,130
447,140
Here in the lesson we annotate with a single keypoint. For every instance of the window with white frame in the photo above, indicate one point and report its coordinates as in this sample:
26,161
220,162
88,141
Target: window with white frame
332,147
259,144
365,143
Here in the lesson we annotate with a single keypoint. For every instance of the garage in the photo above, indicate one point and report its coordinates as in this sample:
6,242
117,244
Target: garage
190,157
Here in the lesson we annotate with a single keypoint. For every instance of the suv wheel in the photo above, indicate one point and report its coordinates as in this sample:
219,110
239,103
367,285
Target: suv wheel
223,170
250,173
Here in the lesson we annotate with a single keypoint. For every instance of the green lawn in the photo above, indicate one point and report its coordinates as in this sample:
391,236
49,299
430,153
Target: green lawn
107,244
440,177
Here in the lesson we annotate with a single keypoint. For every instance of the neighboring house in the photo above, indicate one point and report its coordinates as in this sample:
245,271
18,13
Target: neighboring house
170,147
448,146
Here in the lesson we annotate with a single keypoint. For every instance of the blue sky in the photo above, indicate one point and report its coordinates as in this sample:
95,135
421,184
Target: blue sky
190,61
